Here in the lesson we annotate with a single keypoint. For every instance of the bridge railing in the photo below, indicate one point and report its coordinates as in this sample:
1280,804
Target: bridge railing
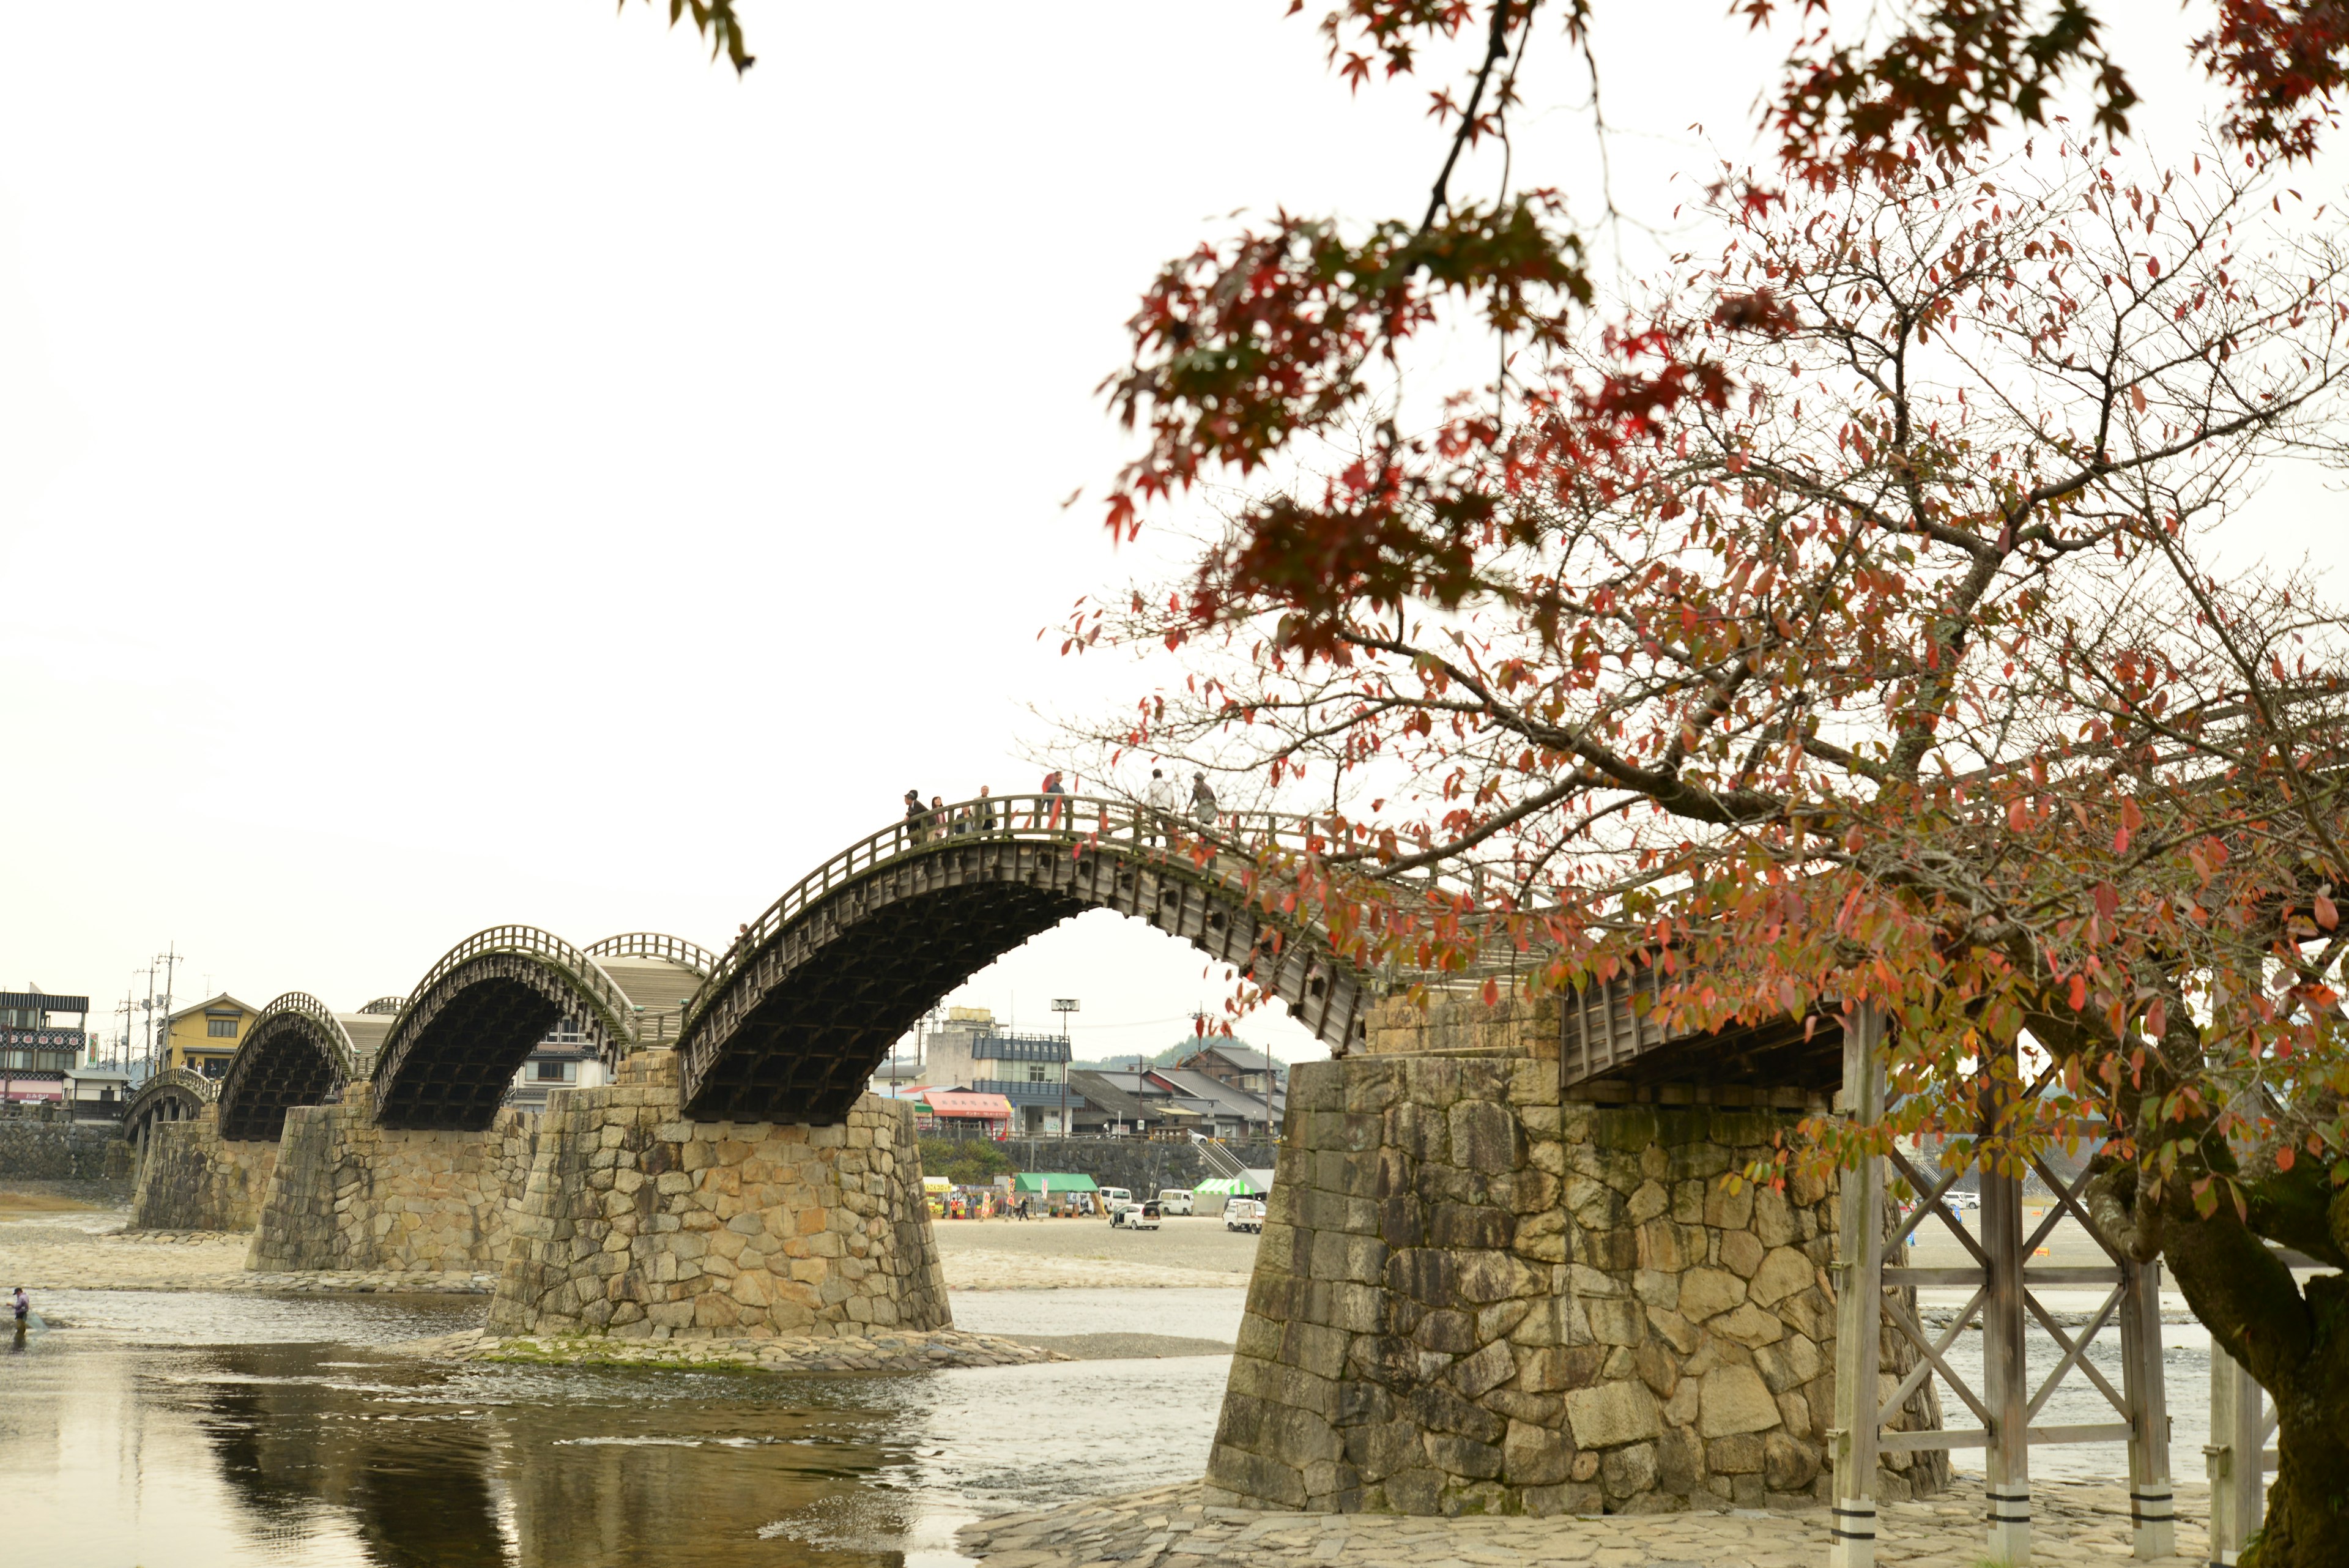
1235,842
386,1004
656,945
603,993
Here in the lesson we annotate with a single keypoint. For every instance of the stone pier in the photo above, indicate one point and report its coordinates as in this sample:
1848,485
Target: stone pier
638,1223
348,1195
1473,1298
192,1179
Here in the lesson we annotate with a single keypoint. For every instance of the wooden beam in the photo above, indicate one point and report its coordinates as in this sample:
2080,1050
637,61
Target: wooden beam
1859,1305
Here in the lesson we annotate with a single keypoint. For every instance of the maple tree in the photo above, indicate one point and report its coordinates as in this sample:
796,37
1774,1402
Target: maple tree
1857,612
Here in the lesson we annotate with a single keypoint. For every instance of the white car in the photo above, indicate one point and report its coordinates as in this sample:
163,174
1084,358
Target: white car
1244,1214
1135,1217
1175,1200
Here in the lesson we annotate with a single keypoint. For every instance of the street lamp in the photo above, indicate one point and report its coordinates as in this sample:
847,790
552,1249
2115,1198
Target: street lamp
1064,1006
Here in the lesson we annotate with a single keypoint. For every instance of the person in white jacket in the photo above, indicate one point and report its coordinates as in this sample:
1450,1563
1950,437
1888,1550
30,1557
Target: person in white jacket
1162,805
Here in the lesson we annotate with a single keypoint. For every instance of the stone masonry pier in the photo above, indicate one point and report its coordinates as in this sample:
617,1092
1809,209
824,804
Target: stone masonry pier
1472,1297
638,1223
350,1195
192,1179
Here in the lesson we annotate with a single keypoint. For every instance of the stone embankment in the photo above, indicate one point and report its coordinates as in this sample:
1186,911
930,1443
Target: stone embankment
930,1350
41,1150
2071,1522
1471,1298
348,1196
192,1179
640,1224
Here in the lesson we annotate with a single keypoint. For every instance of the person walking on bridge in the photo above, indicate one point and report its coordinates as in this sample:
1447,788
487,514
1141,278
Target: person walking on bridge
1202,803
918,817
1052,787
1161,796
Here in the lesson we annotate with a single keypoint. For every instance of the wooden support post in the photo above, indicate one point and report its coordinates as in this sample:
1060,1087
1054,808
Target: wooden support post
1859,1305
2156,1534
2238,1468
2007,1388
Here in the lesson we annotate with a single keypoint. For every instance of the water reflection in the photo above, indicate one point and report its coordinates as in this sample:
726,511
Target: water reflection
216,1430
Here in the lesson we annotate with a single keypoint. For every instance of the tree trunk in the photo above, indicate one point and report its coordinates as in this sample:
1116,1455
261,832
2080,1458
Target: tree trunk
2297,1345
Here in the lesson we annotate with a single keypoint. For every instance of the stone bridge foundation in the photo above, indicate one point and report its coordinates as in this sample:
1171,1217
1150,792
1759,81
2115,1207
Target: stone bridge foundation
350,1195
639,1223
1471,1297
192,1179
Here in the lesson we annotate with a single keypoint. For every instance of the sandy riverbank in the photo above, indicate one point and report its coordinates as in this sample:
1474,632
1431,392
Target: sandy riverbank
54,1244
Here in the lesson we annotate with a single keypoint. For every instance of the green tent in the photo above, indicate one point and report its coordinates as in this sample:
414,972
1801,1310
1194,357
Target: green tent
1229,1186
1046,1183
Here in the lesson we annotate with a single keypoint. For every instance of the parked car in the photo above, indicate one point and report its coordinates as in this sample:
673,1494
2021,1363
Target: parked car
1244,1214
1175,1200
1135,1217
1115,1199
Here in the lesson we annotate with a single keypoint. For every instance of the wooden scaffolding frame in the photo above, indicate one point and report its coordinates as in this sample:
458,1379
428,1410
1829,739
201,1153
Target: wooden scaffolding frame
2237,1458
2005,1405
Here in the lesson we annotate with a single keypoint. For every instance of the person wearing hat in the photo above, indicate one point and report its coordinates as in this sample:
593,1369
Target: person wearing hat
1202,803
918,817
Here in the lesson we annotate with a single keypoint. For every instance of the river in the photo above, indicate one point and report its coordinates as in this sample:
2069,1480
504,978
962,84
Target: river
195,1431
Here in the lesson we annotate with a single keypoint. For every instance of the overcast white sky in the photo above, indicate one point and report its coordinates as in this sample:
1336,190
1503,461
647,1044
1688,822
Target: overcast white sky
472,462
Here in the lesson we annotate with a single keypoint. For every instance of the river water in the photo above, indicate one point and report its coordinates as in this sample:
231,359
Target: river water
192,1430
195,1431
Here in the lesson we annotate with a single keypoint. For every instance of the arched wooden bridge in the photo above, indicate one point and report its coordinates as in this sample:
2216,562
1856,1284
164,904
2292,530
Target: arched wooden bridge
788,1024
173,1095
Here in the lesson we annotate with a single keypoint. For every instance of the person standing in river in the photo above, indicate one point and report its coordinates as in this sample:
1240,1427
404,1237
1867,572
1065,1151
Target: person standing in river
22,1305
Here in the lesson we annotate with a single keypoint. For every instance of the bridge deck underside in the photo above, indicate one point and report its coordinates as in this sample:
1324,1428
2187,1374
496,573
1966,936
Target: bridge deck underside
808,1050
282,1066
801,1029
1607,1040
455,1072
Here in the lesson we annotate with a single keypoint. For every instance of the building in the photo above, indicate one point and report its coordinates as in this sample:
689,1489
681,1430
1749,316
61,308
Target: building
1237,1066
963,1113
969,1052
203,1037
568,1058
1137,1105
37,1048
1227,1111
96,1093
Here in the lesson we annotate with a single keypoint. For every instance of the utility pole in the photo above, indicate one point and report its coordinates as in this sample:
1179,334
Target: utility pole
1064,1006
147,1057
170,959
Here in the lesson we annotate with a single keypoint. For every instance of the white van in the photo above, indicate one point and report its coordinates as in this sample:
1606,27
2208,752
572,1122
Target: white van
1113,1198
1175,1200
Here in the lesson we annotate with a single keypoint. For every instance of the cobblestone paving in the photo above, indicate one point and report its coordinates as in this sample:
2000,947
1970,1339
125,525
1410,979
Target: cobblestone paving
2075,1523
908,1351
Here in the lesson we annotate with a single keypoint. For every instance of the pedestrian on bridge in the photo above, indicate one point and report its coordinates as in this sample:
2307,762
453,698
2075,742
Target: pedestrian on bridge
1161,796
918,817
939,824
986,811
1202,803
1052,787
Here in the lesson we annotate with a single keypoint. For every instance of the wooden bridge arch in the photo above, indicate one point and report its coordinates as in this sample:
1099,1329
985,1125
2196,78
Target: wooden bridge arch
297,1053
803,1007
173,1095
470,1023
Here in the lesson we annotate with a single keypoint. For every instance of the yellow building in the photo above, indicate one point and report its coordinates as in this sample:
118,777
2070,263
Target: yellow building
203,1037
